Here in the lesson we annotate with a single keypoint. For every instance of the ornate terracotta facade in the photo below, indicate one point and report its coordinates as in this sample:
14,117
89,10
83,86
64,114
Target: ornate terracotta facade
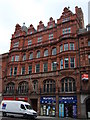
43,66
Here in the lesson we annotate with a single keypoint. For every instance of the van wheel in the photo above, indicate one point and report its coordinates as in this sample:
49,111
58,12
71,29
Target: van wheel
25,116
4,114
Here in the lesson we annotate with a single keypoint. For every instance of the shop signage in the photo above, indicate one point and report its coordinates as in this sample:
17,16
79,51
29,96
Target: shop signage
22,98
85,77
48,100
8,98
68,99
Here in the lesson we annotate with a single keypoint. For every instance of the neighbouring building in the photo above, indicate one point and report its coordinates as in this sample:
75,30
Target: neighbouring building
48,67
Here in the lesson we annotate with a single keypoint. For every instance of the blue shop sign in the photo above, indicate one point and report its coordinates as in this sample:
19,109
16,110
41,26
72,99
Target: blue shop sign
48,100
68,99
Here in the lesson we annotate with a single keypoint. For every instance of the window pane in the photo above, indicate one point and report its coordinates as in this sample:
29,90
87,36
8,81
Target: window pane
61,64
72,62
23,70
89,43
45,53
15,70
16,58
24,57
45,67
61,48
31,56
38,54
50,36
66,62
54,52
54,66
65,47
71,46
39,39
30,69
11,71
37,68
29,42
12,59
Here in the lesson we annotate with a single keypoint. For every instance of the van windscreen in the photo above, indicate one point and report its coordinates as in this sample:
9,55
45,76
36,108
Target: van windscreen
28,107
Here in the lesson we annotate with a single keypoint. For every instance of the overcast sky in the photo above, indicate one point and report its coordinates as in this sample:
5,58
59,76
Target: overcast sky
31,12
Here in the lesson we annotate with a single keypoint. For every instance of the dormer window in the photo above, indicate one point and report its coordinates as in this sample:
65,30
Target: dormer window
16,44
65,19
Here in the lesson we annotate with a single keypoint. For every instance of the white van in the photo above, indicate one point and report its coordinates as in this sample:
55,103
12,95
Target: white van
17,108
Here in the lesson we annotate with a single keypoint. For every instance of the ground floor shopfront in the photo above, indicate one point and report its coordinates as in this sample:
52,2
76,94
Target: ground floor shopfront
67,106
60,106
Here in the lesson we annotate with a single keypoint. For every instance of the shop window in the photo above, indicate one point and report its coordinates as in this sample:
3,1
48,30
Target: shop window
68,85
22,88
45,53
54,51
38,54
10,87
37,68
45,67
49,86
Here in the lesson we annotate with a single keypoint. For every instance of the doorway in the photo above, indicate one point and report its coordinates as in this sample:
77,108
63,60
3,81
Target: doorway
34,104
88,108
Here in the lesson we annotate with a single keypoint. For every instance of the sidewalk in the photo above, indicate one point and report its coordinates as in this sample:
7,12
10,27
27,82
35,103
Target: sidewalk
57,118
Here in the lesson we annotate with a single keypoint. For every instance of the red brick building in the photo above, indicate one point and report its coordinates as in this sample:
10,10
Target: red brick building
43,66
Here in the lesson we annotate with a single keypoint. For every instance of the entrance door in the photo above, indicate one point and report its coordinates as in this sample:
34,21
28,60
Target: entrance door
34,104
88,108
68,110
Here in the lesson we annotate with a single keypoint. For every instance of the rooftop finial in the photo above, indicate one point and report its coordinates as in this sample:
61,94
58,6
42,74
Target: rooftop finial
24,24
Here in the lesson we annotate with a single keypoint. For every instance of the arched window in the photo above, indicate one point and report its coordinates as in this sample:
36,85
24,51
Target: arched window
68,85
23,88
54,51
49,86
35,86
24,57
10,87
38,54
45,53
31,56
